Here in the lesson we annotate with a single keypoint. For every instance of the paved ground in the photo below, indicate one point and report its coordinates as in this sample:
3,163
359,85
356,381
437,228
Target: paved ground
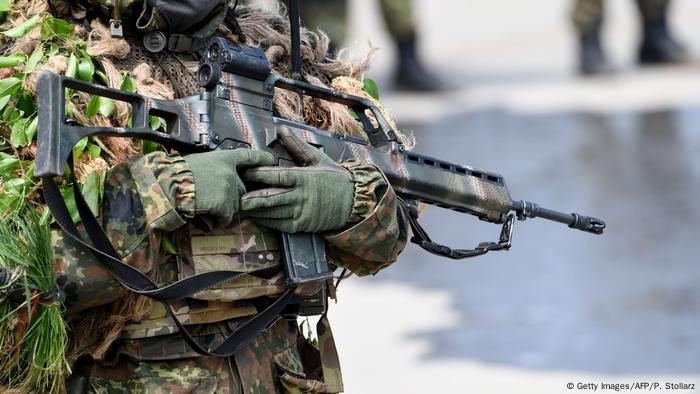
561,306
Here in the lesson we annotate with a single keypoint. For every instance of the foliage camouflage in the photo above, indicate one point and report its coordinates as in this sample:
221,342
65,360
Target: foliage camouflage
19,196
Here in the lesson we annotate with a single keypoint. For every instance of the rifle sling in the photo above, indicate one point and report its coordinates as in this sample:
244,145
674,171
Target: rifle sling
421,238
139,283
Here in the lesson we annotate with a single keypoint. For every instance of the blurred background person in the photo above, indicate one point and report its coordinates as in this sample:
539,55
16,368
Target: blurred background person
331,16
657,46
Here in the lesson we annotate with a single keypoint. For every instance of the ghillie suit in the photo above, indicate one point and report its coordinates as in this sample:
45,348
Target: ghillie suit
269,29
37,313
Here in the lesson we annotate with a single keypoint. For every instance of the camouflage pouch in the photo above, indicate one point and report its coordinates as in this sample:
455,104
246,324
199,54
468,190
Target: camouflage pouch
291,375
310,367
241,247
189,375
278,361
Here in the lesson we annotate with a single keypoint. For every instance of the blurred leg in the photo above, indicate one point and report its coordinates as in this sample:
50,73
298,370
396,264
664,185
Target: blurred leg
658,45
399,19
330,16
411,73
587,14
587,18
653,9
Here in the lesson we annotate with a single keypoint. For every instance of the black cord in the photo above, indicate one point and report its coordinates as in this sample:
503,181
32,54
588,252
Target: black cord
341,277
54,11
295,31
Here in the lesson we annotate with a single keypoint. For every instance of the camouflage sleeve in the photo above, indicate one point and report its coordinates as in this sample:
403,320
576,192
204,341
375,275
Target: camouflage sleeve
378,233
144,196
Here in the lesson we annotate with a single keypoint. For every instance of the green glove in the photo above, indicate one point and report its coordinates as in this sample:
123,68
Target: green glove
314,198
218,187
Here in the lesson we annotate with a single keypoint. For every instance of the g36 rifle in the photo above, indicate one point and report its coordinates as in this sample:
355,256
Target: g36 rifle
235,110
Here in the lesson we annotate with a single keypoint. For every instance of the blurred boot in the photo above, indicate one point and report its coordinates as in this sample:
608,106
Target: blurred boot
591,57
411,73
658,45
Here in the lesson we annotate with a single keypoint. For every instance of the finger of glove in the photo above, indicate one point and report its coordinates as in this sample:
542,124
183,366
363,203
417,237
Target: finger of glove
251,157
268,198
273,176
301,151
283,225
279,213
240,186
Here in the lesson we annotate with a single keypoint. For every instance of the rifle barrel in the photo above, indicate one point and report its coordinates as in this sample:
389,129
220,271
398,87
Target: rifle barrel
526,209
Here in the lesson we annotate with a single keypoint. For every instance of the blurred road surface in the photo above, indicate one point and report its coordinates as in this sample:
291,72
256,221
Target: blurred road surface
560,306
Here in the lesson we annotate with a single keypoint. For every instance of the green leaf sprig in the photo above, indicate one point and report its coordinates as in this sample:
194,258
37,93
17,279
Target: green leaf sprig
18,113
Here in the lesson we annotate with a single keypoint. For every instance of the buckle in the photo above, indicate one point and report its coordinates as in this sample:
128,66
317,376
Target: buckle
116,29
180,43
154,41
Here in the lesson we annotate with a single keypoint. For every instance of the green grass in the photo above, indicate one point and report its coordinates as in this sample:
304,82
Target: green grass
33,334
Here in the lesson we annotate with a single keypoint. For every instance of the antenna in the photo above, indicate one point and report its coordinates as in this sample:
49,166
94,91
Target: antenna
294,27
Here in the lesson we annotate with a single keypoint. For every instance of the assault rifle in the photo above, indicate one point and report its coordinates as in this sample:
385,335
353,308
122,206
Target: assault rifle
235,110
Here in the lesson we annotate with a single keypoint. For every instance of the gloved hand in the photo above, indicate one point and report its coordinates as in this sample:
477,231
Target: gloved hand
218,187
316,197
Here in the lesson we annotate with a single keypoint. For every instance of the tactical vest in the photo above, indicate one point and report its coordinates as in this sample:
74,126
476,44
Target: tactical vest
240,247
213,314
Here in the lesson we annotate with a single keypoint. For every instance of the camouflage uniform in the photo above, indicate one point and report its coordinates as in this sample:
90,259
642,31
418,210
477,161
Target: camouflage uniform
657,44
589,12
152,196
331,18
411,72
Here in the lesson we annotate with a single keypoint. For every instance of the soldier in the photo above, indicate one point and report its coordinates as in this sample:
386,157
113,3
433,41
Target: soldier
411,72
126,343
657,45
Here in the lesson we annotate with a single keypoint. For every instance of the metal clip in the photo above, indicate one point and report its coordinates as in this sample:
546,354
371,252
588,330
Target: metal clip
116,29
506,239
115,24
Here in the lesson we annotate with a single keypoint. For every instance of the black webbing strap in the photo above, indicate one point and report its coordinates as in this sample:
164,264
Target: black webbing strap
138,282
101,247
231,21
180,43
